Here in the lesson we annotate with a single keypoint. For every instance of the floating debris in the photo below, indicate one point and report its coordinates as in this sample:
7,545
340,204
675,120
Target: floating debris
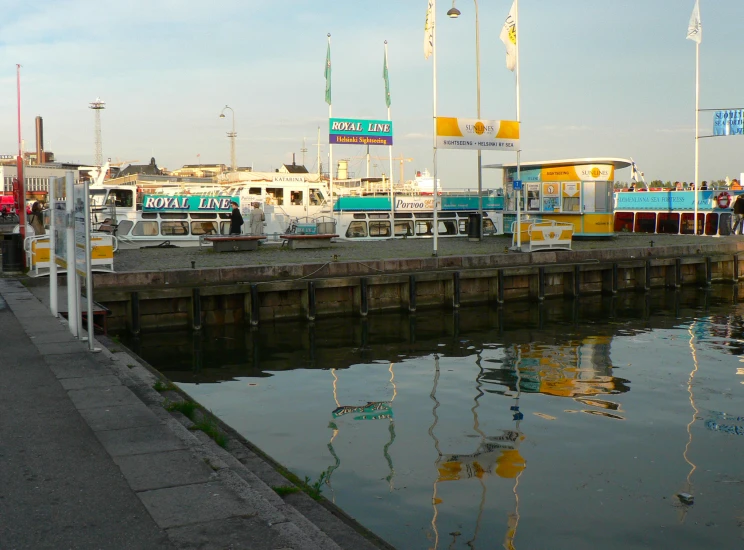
686,498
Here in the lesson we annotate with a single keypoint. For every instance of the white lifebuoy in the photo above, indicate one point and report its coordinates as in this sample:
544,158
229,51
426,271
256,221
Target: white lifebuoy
724,200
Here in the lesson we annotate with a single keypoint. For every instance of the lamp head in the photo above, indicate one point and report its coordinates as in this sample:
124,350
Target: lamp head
453,13
222,115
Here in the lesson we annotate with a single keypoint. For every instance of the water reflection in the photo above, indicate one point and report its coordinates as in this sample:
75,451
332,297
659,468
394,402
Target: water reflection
514,426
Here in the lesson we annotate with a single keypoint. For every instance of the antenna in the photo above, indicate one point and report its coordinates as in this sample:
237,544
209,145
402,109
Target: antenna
303,151
98,105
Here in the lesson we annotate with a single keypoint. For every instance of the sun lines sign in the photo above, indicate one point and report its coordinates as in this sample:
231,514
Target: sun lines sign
471,133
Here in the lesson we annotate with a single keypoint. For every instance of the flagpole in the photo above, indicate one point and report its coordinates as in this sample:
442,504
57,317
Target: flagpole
519,122
390,153
330,145
435,229
697,131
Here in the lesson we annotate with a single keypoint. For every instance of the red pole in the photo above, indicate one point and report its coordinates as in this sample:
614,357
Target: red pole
21,180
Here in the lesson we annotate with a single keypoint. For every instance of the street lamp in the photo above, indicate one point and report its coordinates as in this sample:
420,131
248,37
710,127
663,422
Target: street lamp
454,13
232,135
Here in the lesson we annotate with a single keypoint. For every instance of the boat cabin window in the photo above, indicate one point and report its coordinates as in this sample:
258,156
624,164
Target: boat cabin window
404,229
316,197
145,229
424,227
97,197
174,228
224,228
124,227
254,191
200,216
225,216
275,195
123,198
360,216
296,198
203,228
379,229
403,215
149,215
447,214
425,215
488,227
385,216
447,227
356,230
173,215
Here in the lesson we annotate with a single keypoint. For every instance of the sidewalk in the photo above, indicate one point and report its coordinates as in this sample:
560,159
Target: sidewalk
89,458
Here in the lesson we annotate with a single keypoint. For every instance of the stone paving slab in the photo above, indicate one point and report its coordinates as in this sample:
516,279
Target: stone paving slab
107,396
60,348
90,382
189,504
137,415
133,441
164,470
75,365
245,532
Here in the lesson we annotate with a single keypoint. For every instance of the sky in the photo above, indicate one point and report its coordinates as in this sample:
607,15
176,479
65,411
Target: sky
599,78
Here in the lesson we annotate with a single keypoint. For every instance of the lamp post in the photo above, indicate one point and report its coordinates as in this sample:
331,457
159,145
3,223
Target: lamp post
232,135
454,13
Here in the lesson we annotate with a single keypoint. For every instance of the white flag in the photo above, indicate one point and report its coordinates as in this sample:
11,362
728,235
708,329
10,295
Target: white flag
695,29
509,37
429,29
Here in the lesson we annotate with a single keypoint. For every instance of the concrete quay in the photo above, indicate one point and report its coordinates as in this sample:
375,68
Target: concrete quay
91,458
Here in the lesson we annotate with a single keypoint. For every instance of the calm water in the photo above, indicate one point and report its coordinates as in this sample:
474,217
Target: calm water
566,425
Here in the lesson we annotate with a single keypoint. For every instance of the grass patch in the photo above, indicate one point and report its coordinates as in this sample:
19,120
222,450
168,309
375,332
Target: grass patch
131,365
209,427
284,490
161,386
186,408
314,488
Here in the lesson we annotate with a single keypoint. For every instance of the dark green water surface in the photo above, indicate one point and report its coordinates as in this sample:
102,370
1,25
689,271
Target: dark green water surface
571,424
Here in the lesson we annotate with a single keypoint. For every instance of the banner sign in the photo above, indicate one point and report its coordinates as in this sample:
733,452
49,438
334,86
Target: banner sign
471,133
581,172
187,203
80,224
728,123
352,131
670,201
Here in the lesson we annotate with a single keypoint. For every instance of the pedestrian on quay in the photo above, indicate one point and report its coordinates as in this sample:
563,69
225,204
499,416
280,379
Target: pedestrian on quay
738,215
257,219
236,219
36,219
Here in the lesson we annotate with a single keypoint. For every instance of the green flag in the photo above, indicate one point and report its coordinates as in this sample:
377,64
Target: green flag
387,81
328,75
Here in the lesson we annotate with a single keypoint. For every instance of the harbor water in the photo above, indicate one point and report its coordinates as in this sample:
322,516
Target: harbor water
602,422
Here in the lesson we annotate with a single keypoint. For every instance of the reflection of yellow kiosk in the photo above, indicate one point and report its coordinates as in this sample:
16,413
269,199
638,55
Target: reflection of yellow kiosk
578,191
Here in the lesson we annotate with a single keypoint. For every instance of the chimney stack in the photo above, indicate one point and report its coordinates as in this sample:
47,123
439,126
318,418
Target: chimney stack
293,159
39,140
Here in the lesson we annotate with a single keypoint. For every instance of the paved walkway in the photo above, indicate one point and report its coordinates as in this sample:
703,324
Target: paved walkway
164,259
89,458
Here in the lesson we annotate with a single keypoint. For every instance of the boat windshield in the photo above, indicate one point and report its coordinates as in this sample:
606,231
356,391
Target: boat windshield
97,197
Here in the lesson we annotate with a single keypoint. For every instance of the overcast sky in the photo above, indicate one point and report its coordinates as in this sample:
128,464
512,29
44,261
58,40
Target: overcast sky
599,78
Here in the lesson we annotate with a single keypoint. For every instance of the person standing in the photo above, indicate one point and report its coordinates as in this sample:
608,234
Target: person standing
257,219
236,219
36,219
738,215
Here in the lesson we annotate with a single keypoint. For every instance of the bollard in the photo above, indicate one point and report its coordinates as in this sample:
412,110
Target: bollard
412,293
311,301
456,289
196,309
134,300
364,297
255,309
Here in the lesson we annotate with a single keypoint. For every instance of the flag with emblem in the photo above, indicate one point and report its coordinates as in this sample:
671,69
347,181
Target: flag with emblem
429,29
695,28
387,80
509,37
328,74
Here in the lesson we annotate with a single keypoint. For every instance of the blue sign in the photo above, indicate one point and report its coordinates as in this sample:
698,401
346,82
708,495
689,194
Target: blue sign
187,203
669,201
517,184
728,123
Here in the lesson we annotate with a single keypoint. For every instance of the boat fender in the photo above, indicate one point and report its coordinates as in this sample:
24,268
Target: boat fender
724,200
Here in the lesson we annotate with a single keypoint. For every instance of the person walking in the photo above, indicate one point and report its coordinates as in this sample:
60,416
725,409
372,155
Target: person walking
236,219
257,219
738,215
36,219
